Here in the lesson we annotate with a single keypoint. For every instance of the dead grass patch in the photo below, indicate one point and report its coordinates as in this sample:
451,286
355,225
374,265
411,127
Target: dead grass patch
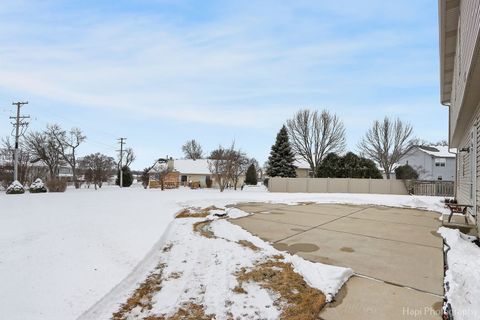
191,311
201,227
142,296
175,275
193,212
297,299
248,244
186,213
239,290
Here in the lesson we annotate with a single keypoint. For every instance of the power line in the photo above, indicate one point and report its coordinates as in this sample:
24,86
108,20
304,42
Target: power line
103,145
19,123
122,142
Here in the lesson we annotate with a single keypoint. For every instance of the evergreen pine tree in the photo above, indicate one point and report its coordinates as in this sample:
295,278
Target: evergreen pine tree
281,159
127,178
251,175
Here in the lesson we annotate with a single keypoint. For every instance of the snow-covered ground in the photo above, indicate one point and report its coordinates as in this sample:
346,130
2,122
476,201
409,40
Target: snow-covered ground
204,269
462,278
61,253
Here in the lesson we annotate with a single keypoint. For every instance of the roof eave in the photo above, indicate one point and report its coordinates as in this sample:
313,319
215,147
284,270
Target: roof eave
445,19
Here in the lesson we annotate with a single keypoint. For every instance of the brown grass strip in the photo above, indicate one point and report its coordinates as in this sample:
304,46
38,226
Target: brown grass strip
142,296
202,228
297,299
196,212
248,244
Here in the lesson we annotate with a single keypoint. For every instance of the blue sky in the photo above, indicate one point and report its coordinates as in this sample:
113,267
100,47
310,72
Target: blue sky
160,72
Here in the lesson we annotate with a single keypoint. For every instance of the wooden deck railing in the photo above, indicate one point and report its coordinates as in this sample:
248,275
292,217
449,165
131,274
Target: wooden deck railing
433,188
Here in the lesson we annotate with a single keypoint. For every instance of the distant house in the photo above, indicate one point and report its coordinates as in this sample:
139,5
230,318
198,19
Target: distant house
431,162
191,171
303,169
196,172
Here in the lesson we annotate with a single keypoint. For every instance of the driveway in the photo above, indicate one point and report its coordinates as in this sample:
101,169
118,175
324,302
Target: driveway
395,253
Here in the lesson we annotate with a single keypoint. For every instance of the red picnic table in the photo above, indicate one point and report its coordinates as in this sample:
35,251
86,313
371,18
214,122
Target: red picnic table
458,208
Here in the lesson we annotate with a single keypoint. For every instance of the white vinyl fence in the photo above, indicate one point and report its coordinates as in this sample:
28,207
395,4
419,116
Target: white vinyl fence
337,185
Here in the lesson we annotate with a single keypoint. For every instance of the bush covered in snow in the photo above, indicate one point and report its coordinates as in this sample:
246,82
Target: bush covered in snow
15,188
56,185
37,186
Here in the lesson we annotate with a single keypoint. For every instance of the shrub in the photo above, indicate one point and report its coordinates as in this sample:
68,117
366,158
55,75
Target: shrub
145,177
209,182
37,186
406,172
56,185
347,166
15,188
127,177
251,176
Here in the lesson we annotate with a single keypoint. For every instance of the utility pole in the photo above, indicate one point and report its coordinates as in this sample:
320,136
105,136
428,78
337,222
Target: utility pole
122,142
19,122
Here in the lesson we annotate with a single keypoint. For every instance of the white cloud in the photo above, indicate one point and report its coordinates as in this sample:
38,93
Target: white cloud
243,65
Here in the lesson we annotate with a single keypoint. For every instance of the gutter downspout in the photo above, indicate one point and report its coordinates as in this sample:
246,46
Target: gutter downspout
447,104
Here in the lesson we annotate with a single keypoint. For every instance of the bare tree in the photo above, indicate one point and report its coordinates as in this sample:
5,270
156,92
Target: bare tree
129,157
24,158
161,170
440,143
97,167
67,144
239,165
44,147
220,166
314,134
192,150
386,142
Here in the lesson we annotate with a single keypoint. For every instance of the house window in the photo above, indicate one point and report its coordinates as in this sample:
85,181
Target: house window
440,178
440,162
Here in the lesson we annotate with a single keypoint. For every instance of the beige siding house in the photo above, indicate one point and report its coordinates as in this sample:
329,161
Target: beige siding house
193,171
303,169
460,90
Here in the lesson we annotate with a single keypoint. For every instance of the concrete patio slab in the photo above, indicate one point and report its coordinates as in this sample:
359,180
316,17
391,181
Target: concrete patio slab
396,253
299,218
339,210
409,233
256,207
268,230
365,299
400,215
405,264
